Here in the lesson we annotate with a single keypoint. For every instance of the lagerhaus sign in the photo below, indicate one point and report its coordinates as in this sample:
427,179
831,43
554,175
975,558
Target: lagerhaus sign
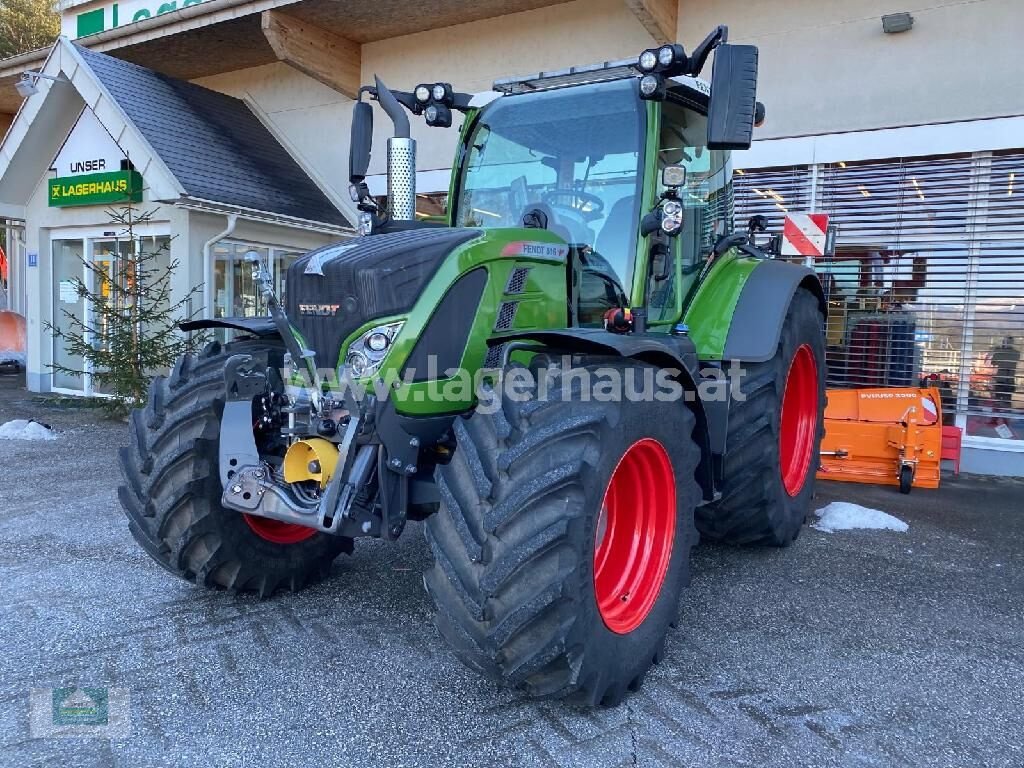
96,189
91,18
91,169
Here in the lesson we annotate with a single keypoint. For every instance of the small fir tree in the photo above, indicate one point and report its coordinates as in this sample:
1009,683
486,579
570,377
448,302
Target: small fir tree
131,333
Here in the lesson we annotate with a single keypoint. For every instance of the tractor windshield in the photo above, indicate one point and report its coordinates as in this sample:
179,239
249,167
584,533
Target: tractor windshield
570,158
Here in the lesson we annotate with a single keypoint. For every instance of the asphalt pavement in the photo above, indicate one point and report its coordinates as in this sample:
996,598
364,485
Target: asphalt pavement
856,648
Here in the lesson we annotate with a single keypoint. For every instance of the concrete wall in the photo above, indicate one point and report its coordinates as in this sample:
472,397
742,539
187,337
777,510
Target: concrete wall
828,67
315,119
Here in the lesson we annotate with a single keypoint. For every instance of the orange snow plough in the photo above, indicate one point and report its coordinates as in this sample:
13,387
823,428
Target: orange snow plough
12,338
884,436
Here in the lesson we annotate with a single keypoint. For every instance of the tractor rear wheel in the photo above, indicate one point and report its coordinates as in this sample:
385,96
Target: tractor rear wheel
774,439
172,488
563,539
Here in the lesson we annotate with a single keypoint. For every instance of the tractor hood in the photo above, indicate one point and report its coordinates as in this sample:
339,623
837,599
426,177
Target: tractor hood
331,292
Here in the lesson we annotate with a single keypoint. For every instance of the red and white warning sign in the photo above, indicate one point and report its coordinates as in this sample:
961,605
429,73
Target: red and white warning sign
805,234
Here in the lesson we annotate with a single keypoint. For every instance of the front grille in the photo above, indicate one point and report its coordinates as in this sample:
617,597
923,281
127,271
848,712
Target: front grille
336,289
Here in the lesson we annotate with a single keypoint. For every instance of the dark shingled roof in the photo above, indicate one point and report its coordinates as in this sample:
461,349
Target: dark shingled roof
213,143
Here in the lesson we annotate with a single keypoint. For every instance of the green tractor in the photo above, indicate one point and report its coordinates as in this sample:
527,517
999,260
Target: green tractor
567,378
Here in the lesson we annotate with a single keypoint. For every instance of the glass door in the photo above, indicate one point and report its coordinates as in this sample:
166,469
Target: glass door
111,270
68,309
101,280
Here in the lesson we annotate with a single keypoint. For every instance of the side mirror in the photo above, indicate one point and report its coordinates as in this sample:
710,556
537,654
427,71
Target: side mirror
733,97
361,141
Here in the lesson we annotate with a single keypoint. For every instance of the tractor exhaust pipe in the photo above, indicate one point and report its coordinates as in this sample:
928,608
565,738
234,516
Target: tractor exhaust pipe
401,158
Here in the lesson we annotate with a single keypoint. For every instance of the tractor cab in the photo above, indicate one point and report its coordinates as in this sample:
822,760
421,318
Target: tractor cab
577,162
620,161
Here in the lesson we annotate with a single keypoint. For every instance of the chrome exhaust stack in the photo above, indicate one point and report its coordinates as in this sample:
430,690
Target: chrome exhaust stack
401,158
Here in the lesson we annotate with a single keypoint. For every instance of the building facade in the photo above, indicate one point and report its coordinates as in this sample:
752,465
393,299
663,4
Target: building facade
912,141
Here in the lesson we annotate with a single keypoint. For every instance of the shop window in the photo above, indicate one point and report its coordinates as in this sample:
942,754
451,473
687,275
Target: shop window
429,205
927,283
235,291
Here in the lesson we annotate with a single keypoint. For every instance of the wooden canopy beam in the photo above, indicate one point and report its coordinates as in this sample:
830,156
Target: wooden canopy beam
659,17
326,57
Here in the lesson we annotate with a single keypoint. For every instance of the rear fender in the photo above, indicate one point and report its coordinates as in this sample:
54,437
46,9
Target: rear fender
738,311
762,307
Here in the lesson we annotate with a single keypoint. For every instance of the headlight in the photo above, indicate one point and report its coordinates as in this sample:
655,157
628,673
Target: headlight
378,342
648,61
671,217
422,93
366,353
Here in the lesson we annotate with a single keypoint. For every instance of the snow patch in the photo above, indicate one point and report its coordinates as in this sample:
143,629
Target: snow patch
843,516
26,429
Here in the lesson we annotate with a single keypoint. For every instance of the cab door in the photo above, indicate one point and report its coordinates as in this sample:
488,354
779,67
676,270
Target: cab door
707,202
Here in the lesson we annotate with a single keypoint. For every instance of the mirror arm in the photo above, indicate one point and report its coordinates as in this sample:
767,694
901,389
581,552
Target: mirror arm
700,55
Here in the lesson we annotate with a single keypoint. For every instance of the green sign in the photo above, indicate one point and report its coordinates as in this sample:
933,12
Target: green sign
96,189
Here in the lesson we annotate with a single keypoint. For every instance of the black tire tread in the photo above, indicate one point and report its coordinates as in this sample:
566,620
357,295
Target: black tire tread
501,547
171,489
751,511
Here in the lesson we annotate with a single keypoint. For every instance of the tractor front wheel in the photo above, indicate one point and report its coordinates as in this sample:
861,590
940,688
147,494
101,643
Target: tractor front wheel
172,489
774,438
563,540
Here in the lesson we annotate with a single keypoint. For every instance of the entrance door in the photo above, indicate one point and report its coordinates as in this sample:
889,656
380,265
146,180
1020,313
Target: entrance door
70,259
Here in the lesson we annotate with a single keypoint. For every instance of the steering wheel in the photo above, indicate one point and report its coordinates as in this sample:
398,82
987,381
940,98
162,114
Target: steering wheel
588,205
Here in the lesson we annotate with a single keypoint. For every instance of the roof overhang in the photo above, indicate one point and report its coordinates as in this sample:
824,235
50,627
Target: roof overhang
46,118
178,43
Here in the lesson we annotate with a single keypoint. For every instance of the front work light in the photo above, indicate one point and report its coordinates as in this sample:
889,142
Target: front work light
422,93
652,86
648,61
438,115
673,176
666,55
443,93
671,217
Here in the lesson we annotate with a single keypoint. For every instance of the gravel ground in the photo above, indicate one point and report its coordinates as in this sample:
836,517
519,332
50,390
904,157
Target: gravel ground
856,648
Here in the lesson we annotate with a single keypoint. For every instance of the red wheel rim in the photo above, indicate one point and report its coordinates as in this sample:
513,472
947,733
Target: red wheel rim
799,420
277,531
633,542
